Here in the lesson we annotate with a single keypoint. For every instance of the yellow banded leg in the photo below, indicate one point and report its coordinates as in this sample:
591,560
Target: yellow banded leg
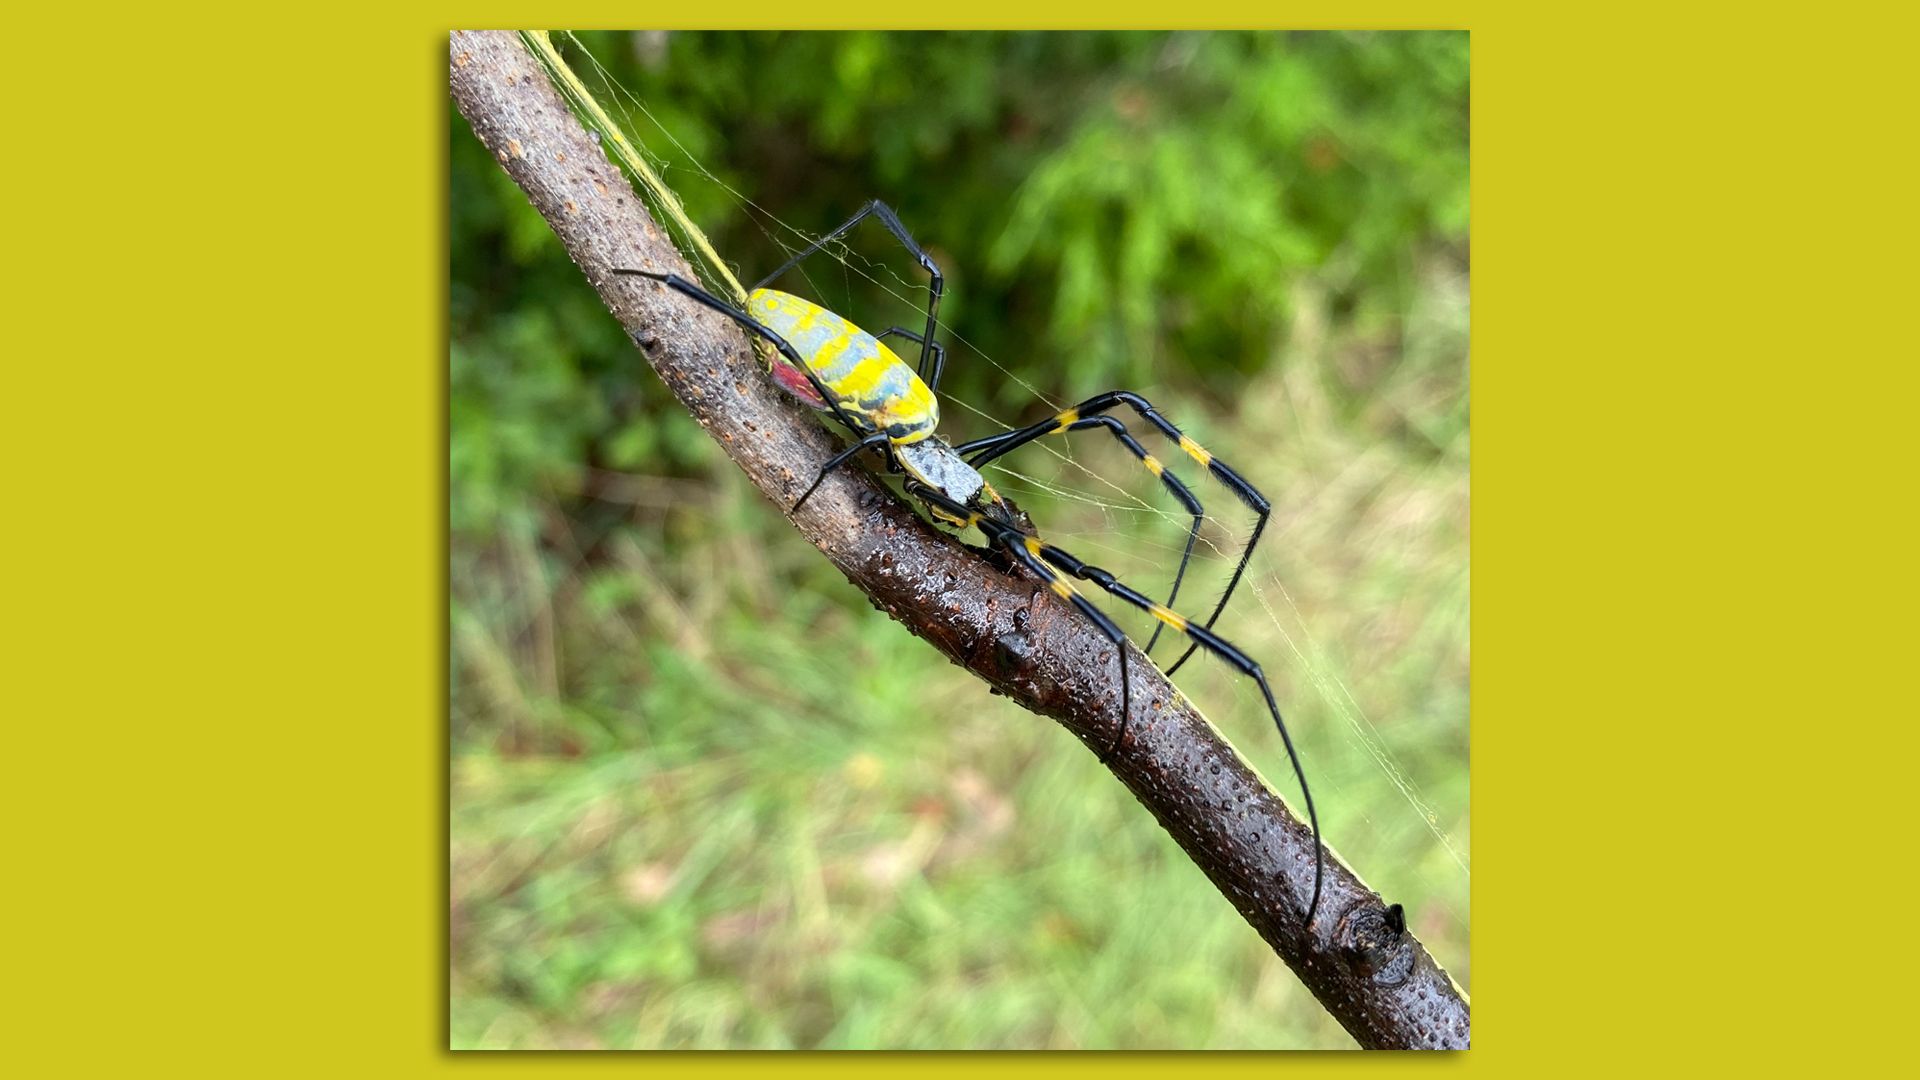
1218,646
1071,420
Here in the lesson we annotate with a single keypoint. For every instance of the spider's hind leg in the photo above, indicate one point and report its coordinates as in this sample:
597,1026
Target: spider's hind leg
876,439
793,358
888,218
939,353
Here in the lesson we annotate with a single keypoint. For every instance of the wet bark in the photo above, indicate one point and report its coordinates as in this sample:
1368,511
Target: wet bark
1357,957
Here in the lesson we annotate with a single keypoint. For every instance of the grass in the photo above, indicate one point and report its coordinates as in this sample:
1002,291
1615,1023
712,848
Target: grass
704,796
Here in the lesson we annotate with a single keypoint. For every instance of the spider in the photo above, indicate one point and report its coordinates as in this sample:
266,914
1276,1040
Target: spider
833,366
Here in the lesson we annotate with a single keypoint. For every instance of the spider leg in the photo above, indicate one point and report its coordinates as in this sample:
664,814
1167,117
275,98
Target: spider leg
995,445
1026,550
1049,562
939,352
887,217
1213,643
834,462
681,284
869,437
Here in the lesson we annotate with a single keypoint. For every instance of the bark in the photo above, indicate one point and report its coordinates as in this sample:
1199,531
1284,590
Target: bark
1357,958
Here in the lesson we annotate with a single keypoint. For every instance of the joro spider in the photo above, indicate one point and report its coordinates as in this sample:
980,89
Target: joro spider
834,366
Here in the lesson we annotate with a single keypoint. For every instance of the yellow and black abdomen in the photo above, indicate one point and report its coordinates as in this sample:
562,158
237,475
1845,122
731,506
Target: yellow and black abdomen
864,376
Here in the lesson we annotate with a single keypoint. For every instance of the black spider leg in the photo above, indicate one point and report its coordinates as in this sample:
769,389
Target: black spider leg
834,462
1213,643
891,220
996,445
1001,444
793,357
939,352
1026,550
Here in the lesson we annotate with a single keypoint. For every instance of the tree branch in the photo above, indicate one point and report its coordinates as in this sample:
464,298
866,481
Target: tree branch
1357,958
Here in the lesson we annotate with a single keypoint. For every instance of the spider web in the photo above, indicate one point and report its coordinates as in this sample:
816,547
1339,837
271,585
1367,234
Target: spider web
1220,540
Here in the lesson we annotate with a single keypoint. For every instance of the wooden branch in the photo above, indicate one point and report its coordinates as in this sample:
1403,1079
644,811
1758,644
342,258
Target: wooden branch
1357,958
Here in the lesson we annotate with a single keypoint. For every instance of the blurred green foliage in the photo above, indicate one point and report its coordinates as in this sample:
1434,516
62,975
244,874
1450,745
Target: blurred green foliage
703,795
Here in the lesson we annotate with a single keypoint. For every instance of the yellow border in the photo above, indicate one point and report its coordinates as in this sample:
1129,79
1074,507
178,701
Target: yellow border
225,583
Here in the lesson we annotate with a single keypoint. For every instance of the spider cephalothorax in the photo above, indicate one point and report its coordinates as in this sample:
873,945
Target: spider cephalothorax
838,368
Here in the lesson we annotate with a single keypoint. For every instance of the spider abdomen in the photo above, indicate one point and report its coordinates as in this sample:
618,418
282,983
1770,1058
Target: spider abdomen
864,376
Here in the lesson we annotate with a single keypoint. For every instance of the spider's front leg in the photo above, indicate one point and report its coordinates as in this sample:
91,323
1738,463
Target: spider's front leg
1025,550
993,446
1083,414
1054,565
1204,638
